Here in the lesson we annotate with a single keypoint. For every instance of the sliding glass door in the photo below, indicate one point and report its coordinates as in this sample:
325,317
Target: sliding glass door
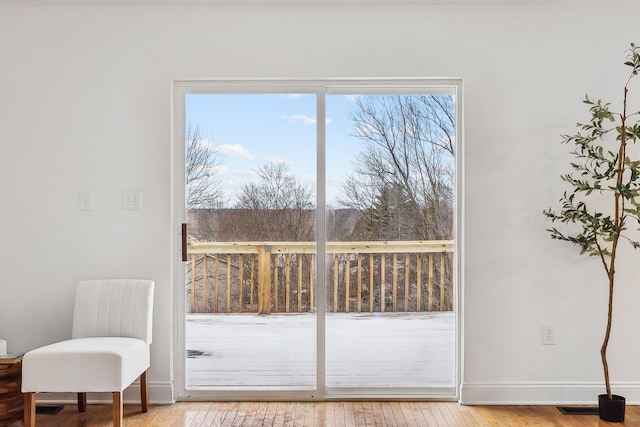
250,186
320,248
390,322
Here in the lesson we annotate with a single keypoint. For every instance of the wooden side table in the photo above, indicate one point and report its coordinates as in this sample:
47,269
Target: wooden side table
11,399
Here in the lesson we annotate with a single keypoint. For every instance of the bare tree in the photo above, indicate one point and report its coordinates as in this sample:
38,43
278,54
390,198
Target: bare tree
203,188
278,207
404,176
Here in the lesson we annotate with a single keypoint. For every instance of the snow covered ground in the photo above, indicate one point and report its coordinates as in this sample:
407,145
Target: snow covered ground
362,350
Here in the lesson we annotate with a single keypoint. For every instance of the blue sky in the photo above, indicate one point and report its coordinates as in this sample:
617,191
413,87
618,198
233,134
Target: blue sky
250,130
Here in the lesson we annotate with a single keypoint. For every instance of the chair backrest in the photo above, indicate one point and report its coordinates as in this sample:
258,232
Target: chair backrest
114,308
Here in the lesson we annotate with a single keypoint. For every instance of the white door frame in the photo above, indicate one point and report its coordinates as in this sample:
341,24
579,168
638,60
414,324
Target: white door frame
320,87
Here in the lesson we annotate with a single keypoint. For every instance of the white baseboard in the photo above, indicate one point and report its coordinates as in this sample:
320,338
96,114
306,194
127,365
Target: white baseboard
160,393
543,393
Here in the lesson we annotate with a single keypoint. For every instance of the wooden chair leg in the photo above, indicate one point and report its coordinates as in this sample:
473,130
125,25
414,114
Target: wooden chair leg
117,409
29,410
144,392
82,402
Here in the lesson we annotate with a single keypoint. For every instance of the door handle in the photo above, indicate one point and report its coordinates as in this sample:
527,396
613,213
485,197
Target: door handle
184,242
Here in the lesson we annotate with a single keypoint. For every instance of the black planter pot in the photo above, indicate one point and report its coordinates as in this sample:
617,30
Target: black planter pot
611,409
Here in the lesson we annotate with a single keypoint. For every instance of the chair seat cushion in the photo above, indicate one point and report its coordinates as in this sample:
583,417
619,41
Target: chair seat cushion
98,364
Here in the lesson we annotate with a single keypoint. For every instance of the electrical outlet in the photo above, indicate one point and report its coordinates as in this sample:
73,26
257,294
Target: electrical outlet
132,200
548,334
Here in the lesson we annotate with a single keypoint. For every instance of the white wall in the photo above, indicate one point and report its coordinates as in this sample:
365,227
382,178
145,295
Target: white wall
85,103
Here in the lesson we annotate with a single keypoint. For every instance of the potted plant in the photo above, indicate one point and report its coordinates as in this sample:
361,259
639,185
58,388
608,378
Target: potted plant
604,199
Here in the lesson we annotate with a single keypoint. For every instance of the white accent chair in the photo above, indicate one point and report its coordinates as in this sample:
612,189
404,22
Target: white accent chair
109,349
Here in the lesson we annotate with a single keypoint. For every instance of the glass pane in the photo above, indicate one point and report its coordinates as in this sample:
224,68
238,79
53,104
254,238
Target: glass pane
250,201
390,318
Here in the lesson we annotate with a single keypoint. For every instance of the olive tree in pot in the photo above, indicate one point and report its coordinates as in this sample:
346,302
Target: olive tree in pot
604,199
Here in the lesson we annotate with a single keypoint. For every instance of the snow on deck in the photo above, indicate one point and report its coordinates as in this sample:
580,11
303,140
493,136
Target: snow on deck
279,350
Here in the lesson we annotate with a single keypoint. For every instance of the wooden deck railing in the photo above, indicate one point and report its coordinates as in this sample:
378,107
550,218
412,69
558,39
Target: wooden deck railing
278,277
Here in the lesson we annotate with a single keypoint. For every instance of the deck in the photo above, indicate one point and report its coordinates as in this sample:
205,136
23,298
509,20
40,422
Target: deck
247,351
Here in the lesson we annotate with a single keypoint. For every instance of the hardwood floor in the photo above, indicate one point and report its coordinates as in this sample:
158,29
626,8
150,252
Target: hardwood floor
330,414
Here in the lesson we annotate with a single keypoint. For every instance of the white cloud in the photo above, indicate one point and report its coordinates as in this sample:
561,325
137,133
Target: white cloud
299,118
293,118
365,130
352,98
234,150
218,170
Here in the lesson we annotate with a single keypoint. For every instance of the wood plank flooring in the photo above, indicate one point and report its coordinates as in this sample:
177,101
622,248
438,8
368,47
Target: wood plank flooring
330,414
